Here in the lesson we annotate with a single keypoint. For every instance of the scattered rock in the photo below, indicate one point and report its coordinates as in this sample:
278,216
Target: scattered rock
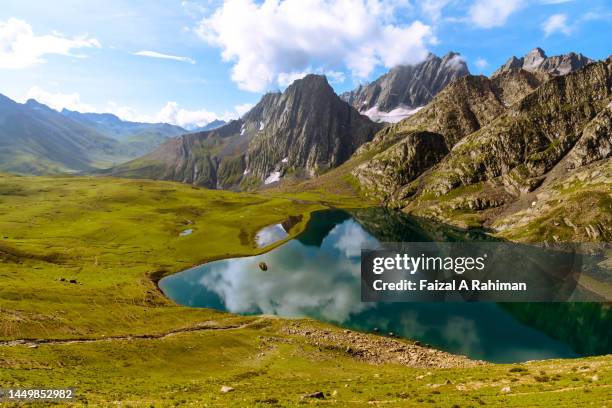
505,390
380,349
73,281
35,346
226,389
318,395
595,378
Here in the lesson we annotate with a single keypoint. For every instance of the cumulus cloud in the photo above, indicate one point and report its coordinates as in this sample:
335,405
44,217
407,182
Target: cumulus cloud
171,112
556,23
155,54
175,114
21,48
58,100
492,13
481,63
272,41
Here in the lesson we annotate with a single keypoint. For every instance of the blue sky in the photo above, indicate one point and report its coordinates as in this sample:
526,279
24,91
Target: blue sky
187,62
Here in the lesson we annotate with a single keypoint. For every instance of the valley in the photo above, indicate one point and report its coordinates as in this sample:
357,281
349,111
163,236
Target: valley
78,290
113,235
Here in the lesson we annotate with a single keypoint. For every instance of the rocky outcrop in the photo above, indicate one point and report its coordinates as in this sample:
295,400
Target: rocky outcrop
537,61
406,87
303,131
596,140
400,164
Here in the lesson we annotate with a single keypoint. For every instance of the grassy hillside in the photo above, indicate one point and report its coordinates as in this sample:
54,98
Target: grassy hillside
78,308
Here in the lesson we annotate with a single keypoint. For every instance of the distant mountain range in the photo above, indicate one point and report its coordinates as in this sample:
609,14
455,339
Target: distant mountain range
35,139
135,138
308,129
537,61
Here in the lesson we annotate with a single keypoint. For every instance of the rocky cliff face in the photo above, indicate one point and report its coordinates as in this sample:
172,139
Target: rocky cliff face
513,141
407,87
307,127
537,61
301,132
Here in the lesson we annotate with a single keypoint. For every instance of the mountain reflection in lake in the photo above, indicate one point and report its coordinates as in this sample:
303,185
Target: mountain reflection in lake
317,275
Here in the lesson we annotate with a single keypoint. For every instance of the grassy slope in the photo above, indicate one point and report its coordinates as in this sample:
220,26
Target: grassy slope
110,235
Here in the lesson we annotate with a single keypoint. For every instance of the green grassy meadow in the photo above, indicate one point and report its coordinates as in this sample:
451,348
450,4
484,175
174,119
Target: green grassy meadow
113,336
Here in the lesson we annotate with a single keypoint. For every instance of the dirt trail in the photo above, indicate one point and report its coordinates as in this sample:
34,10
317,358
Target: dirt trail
202,327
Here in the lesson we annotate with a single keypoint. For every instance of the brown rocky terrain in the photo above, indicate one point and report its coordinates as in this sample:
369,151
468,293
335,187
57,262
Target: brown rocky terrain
515,143
377,349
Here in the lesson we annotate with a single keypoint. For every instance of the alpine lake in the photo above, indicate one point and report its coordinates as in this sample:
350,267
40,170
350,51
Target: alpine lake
317,275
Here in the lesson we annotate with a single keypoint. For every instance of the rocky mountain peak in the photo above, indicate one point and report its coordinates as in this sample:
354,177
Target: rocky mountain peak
536,52
536,60
398,93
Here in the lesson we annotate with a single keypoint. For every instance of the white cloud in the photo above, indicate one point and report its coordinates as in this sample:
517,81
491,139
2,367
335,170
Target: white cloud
556,23
285,79
174,114
58,100
456,62
481,63
492,13
21,48
596,16
273,41
155,54
433,8
239,110
555,1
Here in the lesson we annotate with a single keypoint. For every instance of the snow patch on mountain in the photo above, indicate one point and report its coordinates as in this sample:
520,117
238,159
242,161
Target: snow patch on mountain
273,177
393,116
